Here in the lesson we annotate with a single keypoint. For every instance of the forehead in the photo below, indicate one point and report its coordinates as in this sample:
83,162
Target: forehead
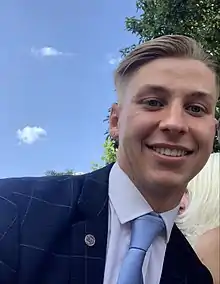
185,75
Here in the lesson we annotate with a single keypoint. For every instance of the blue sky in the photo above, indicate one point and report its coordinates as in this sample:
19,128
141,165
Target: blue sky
56,64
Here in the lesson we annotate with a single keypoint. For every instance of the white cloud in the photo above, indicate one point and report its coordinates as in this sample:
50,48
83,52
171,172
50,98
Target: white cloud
48,51
113,60
29,135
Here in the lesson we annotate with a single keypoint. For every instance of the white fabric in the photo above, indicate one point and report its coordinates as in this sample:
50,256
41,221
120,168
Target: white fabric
125,204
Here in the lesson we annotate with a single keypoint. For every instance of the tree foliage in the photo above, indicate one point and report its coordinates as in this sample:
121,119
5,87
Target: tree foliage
110,150
109,155
55,173
198,19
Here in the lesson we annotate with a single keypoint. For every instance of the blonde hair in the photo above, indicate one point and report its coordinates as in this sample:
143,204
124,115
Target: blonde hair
203,211
177,46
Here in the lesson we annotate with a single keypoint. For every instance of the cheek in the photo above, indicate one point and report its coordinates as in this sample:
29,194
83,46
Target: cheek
211,136
141,125
128,125
137,132
205,133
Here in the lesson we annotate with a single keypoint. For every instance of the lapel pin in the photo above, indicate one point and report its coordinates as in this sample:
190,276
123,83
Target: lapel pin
90,240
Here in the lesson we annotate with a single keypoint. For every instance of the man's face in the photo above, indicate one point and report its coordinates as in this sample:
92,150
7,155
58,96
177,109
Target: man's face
165,123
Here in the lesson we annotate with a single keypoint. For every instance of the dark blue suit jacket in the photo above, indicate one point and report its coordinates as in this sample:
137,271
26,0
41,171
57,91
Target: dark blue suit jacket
43,224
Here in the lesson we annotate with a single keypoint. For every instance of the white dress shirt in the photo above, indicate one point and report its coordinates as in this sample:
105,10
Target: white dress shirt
125,204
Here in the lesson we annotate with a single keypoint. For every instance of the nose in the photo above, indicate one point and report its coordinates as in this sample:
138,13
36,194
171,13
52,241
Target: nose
174,120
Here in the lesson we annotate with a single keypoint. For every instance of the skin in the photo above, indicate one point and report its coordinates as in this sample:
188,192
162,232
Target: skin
208,250
184,202
169,101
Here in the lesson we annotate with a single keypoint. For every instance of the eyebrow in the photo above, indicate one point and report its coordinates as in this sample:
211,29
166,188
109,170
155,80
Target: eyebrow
201,95
154,89
166,92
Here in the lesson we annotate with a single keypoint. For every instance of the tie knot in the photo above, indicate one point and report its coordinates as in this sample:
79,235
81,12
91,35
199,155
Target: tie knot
145,229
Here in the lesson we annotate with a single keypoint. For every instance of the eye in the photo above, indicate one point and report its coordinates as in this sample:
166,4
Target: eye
152,103
196,109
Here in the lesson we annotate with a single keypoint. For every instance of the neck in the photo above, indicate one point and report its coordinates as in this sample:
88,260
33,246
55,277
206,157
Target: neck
161,202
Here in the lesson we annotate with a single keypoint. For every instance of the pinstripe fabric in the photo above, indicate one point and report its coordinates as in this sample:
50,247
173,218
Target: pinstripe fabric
41,219
43,224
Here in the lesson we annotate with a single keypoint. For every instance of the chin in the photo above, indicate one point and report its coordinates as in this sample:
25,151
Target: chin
168,181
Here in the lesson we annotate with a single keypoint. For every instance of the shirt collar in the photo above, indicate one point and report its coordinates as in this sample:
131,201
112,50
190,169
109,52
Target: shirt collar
129,203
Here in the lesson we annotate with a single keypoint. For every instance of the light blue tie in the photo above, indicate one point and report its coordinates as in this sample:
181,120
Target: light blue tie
143,232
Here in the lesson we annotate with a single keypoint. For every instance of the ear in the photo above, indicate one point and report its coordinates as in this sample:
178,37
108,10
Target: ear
184,202
114,121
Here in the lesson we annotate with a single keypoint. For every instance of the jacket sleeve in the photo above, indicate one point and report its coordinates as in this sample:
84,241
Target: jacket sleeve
9,233
33,213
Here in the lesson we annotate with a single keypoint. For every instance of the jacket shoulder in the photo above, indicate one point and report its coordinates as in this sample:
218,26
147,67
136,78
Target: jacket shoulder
31,197
47,188
30,207
189,260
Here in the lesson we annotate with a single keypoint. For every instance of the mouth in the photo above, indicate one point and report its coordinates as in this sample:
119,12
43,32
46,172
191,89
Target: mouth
169,151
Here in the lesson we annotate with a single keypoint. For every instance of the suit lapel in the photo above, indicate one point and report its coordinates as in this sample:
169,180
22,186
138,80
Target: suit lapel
174,271
91,232
93,206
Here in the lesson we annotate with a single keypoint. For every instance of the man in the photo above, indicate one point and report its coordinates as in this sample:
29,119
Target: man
85,229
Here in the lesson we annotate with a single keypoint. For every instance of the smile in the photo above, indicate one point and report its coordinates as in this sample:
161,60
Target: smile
170,152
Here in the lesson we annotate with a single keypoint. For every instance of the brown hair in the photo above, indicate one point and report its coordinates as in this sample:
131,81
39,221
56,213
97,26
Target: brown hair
162,47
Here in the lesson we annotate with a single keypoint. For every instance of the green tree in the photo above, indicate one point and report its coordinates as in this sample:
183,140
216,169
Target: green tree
199,19
110,150
55,173
109,155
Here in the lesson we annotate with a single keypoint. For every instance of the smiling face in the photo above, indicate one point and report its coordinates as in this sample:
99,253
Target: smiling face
165,124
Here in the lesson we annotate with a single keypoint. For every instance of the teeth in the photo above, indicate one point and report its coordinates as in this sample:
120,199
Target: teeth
170,152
